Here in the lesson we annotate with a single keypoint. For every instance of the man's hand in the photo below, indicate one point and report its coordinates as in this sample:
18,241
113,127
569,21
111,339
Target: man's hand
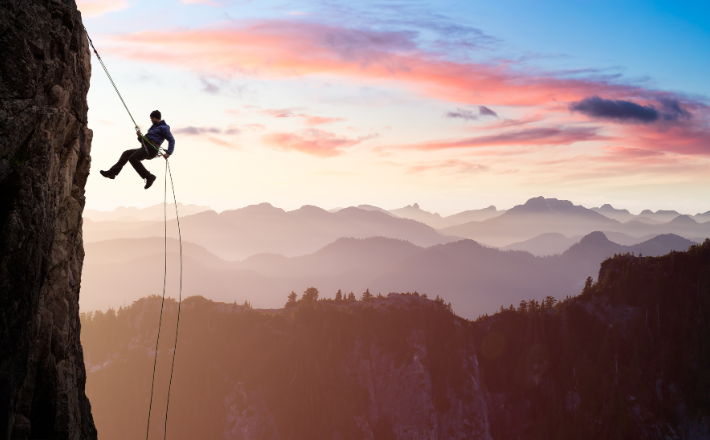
165,156
138,132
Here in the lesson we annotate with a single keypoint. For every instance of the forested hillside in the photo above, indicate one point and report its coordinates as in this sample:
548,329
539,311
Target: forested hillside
628,358
383,368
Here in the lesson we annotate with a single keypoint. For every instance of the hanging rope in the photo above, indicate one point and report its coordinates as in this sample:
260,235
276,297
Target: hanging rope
177,325
116,89
165,272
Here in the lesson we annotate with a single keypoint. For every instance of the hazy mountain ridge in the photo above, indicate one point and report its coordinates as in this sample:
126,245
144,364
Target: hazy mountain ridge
247,231
263,228
436,221
475,278
539,216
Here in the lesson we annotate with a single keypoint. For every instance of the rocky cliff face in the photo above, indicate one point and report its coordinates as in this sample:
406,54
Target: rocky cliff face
44,164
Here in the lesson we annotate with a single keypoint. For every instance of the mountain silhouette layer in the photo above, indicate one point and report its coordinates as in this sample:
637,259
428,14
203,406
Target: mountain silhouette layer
476,279
257,229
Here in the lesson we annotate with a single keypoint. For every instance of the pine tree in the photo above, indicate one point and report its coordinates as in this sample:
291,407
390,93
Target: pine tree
310,295
292,299
366,296
549,302
339,296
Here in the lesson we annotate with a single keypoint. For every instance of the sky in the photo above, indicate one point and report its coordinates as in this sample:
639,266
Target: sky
454,105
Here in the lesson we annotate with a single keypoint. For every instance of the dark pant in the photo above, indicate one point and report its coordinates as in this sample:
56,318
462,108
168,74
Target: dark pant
134,157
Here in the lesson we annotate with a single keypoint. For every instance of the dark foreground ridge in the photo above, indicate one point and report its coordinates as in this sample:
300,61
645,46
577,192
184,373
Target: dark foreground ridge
44,163
626,359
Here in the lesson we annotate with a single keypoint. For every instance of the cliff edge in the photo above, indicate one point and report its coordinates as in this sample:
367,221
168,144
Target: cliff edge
44,165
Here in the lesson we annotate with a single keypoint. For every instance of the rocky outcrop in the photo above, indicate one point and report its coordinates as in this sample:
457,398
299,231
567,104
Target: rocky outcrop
44,165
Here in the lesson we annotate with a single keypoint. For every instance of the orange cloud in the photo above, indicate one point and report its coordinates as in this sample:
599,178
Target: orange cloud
285,49
313,141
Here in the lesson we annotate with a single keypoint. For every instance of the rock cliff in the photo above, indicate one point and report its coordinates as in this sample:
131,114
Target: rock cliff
44,165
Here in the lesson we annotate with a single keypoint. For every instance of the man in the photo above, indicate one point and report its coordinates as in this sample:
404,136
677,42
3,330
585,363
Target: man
157,133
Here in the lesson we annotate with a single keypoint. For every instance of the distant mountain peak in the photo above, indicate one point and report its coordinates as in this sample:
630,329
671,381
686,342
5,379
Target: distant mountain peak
552,205
610,209
541,205
596,238
683,220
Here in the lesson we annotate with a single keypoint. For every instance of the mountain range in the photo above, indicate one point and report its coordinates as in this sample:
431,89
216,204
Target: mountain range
539,216
476,279
257,229
540,226
151,213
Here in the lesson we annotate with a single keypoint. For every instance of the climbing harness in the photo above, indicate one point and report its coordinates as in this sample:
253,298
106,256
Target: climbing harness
165,272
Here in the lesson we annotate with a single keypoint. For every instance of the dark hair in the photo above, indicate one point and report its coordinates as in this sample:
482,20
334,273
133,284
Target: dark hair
155,114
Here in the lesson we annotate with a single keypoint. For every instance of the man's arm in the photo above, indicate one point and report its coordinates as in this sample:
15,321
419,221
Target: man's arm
169,137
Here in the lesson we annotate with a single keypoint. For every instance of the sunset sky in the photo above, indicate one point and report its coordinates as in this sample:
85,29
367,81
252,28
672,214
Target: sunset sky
455,105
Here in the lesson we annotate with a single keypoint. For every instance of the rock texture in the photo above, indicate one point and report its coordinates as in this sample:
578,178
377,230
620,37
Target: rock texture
44,164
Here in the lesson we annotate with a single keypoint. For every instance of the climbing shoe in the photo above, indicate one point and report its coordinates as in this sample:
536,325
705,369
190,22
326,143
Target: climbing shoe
107,174
149,181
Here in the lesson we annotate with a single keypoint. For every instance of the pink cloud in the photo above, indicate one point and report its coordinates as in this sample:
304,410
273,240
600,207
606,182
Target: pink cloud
630,153
318,120
284,49
314,142
279,113
96,8
682,139
525,137
255,127
452,165
220,142
308,120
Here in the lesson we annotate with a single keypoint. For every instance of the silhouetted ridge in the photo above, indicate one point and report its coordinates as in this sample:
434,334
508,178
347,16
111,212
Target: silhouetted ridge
626,359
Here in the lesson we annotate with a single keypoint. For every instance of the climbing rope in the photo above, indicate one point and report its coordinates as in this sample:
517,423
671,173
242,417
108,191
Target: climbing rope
177,325
116,89
165,272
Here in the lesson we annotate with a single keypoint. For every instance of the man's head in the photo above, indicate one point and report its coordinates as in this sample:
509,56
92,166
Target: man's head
155,116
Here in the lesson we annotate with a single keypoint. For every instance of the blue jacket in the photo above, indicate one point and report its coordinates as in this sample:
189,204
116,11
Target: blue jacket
159,132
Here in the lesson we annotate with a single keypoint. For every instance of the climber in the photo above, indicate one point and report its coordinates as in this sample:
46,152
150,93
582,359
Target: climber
157,133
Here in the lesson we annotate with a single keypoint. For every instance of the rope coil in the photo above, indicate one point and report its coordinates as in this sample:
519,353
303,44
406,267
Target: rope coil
165,273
